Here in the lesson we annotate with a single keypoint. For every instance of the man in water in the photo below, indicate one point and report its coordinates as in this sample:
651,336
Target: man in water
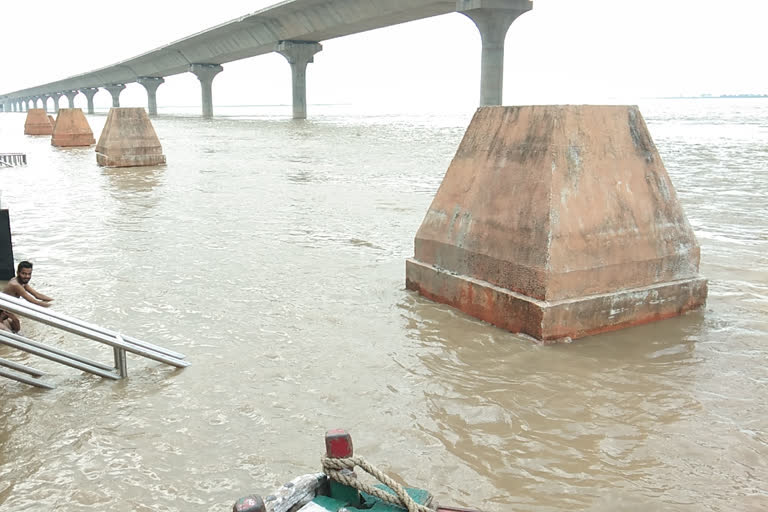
19,287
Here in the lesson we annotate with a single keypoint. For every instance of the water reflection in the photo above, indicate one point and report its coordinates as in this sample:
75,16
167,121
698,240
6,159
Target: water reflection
124,182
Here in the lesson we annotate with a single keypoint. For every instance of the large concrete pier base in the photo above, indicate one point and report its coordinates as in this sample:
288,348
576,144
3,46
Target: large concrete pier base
37,122
128,140
558,221
71,129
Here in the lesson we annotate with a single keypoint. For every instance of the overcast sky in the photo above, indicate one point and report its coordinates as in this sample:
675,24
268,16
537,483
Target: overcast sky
563,51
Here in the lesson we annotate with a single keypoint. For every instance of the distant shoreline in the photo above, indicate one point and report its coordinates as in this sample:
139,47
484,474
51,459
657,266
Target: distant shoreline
715,97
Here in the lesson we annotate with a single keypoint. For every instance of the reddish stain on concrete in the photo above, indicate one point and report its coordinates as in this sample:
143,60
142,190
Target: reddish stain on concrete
128,140
71,129
563,219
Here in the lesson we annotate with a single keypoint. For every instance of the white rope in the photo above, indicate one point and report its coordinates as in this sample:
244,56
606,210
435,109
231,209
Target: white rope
333,468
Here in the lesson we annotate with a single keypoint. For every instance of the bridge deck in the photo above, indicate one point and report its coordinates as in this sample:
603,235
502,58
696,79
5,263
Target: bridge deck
254,34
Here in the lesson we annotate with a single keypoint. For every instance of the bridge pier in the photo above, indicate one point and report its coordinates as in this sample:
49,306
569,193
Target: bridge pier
71,97
56,97
492,18
299,54
90,92
115,90
151,83
206,73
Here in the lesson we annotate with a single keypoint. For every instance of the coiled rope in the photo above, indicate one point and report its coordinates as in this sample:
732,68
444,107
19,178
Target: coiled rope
333,468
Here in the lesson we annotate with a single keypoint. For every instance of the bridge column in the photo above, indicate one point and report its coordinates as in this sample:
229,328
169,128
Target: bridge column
299,54
205,73
151,83
71,97
56,96
115,90
90,92
492,18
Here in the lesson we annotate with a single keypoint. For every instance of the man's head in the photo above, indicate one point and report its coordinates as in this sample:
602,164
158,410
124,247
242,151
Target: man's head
24,272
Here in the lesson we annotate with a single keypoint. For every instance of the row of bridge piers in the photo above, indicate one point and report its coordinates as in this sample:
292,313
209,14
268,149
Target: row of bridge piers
493,24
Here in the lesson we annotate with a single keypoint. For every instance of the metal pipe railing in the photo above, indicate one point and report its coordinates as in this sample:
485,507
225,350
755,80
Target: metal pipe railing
93,327
42,315
21,368
54,350
46,354
26,380
11,159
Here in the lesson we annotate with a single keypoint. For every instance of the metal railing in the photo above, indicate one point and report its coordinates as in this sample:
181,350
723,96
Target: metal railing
121,345
12,159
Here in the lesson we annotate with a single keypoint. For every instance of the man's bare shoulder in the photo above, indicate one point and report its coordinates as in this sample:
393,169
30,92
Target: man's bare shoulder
13,288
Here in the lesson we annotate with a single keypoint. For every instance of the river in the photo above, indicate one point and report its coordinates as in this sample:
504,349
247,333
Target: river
272,253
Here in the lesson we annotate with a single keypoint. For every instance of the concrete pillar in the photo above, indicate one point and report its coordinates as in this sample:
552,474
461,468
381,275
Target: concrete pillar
299,54
37,123
45,102
558,221
115,90
56,96
151,83
71,129
90,92
205,73
35,101
71,97
128,140
492,18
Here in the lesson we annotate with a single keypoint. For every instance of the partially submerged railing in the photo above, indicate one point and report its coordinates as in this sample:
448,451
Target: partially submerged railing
121,345
12,159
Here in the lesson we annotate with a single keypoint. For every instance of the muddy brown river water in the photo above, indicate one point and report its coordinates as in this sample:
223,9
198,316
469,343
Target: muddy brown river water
271,253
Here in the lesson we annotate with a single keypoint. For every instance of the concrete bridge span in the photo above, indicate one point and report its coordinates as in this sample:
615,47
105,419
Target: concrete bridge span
293,28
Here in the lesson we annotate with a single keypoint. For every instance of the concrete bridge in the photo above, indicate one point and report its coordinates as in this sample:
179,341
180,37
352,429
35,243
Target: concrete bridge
293,28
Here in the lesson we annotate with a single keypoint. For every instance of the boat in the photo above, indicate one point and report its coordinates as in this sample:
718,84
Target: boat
338,489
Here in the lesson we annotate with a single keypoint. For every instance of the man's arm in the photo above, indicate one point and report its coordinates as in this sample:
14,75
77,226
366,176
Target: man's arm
38,295
21,291
12,320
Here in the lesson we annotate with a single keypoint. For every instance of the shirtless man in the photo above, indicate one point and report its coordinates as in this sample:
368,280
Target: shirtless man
19,287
